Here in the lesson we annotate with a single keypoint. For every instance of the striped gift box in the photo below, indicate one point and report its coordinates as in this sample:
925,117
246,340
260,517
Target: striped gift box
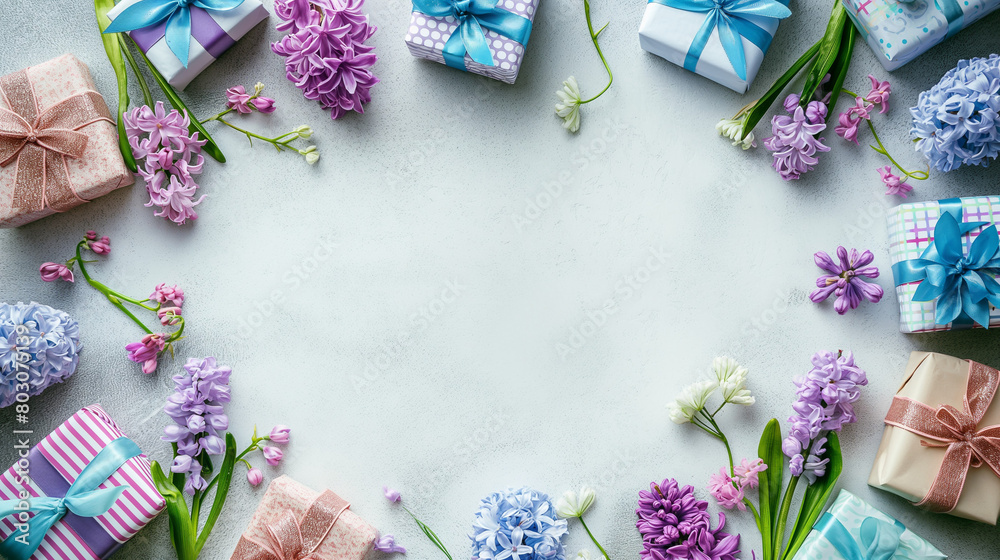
56,462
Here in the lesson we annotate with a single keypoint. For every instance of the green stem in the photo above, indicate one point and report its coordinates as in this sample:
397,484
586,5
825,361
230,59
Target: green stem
252,447
113,296
593,37
918,175
147,97
278,142
725,441
786,504
753,510
597,544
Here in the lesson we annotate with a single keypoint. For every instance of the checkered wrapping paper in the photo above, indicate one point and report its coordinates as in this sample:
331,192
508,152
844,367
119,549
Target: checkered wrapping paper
911,230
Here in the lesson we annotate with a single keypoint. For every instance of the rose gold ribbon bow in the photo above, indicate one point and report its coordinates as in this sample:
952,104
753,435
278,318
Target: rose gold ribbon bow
291,539
968,445
40,142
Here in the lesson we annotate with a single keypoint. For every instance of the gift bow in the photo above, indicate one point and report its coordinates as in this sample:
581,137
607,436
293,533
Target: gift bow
967,445
41,142
473,16
880,539
962,285
291,539
729,16
83,498
177,13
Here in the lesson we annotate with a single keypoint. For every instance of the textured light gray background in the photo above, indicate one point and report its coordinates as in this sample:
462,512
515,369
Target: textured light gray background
305,278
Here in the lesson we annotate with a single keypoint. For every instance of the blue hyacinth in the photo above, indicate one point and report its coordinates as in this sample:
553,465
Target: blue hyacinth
955,123
45,351
517,525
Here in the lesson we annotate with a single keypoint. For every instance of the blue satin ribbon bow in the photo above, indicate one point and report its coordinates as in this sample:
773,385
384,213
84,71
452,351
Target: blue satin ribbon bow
473,16
879,540
962,285
83,499
729,16
146,13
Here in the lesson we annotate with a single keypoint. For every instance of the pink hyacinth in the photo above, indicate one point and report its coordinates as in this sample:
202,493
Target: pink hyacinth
725,491
280,434
879,94
746,472
255,476
163,294
264,104
272,455
238,99
893,183
51,272
169,316
147,351
101,246
851,119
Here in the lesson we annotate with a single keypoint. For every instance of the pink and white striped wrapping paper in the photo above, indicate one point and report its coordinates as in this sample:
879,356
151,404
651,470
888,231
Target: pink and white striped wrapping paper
68,449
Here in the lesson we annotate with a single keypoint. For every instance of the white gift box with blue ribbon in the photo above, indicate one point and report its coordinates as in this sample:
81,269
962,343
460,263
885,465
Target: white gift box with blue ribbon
724,41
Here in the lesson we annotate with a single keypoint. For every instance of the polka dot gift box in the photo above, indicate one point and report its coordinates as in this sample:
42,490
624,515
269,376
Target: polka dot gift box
485,37
900,31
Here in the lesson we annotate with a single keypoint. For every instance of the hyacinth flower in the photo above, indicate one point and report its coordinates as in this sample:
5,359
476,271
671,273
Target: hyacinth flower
573,504
164,303
675,525
570,99
846,279
824,403
198,433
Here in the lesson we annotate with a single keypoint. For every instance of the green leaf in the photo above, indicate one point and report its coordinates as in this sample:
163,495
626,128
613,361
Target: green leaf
771,481
210,147
816,496
828,51
224,477
111,47
838,71
181,529
433,537
147,97
761,107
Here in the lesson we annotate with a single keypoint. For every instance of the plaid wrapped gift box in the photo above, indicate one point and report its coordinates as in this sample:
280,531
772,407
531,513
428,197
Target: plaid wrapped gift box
52,469
912,230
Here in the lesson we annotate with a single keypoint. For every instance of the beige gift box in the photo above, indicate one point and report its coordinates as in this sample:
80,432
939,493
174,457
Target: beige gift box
907,468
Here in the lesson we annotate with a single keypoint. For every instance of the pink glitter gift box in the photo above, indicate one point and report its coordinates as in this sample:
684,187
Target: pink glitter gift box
58,142
293,519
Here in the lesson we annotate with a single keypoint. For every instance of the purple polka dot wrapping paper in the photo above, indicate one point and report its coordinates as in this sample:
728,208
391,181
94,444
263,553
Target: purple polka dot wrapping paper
899,32
427,36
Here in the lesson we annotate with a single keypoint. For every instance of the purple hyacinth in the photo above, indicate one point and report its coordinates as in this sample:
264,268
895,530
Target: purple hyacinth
846,279
794,144
668,514
825,403
325,51
200,421
706,544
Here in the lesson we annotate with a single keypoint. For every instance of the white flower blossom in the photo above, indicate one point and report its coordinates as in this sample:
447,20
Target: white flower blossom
572,504
568,107
732,379
304,131
733,129
692,399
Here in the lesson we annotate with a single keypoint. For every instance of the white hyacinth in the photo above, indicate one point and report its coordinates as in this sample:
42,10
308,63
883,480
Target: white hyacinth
692,399
732,379
572,504
733,129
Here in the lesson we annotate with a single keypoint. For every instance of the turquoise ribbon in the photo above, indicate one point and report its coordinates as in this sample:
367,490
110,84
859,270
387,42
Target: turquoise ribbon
729,17
83,498
962,285
953,14
473,17
879,540
145,13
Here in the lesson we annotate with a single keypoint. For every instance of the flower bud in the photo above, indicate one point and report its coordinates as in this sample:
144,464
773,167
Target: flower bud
272,455
279,434
255,476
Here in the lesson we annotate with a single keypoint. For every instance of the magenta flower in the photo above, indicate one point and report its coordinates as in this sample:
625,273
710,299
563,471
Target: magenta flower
101,246
707,544
667,514
893,184
387,544
91,235
163,294
851,119
264,104
845,280
169,316
176,201
726,491
879,95
280,434
254,476
794,144
391,494
51,272
147,351
238,99
746,472
272,455
166,129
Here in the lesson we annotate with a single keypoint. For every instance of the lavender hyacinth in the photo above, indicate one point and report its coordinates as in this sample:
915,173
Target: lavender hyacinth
825,403
676,526
956,122
794,144
200,422
325,52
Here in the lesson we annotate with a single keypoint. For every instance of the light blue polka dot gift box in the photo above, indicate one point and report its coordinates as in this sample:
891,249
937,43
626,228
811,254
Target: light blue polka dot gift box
853,529
900,31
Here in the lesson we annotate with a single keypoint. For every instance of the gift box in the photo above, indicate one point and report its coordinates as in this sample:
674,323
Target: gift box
687,33
294,521
486,38
58,143
853,529
182,52
900,31
945,263
91,469
941,425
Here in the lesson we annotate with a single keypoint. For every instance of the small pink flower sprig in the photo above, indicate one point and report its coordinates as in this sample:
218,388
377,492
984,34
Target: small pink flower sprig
272,455
240,101
850,121
165,302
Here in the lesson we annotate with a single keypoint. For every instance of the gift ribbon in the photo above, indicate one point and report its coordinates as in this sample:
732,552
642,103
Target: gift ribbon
83,498
180,24
953,14
729,17
473,17
967,445
962,285
879,539
290,539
